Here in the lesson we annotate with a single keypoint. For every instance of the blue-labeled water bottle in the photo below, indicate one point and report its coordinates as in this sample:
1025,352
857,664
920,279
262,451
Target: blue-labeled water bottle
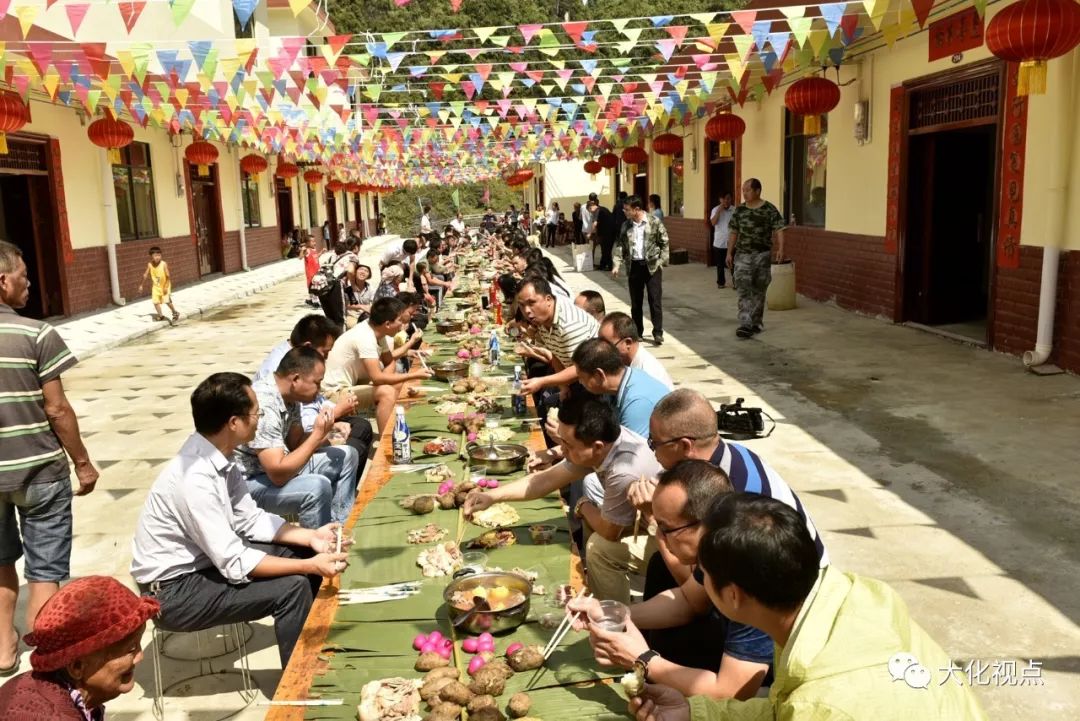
515,393
493,349
402,437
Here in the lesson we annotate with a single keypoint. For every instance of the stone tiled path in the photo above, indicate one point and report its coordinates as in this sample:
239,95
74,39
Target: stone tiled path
942,469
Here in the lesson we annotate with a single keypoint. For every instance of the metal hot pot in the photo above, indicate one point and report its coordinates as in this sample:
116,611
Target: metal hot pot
488,621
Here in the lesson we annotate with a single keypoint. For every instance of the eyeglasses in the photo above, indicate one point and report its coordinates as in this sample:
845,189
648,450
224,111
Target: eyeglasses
260,414
665,532
654,444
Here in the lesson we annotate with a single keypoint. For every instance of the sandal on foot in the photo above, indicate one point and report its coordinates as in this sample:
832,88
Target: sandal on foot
13,668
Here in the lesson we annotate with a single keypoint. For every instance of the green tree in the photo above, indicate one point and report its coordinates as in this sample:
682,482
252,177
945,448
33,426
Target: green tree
402,207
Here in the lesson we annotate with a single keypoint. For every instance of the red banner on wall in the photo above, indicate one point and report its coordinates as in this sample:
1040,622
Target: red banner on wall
892,184
1013,156
956,33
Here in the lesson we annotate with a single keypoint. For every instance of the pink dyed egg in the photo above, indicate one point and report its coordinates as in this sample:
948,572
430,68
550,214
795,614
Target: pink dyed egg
419,642
514,647
475,664
469,645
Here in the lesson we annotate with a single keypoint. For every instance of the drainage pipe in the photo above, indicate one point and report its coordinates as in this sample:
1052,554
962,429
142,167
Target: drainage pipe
1058,195
112,226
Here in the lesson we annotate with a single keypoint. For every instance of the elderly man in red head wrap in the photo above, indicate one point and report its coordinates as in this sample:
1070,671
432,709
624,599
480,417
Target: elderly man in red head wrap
87,640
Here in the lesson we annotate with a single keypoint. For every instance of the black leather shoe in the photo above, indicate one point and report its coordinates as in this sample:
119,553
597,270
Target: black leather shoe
744,331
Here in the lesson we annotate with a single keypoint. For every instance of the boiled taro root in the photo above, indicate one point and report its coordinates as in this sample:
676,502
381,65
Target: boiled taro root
501,666
479,702
489,681
423,504
526,659
430,660
447,501
519,705
443,672
430,690
445,711
488,713
456,693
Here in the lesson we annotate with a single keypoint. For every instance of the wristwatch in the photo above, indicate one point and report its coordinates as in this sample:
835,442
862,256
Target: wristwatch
643,662
577,506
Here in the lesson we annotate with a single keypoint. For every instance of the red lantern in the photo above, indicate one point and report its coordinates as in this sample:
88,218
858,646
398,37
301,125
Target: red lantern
592,168
725,128
353,188
288,171
334,186
635,155
666,146
1031,32
253,164
608,160
811,98
312,177
13,116
202,154
111,134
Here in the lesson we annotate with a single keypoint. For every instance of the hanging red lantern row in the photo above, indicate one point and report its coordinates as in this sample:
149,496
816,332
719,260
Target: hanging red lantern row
313,177
608,160
112,134
353,188
725,128
202,154
253,164
1031,32
592,168
13,116
811,98
334,186
288,171
635,155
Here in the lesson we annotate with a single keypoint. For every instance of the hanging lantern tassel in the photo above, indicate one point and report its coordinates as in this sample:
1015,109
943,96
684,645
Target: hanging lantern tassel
811,125
725,148
3,144
1031,80
204,170
288,182
114,156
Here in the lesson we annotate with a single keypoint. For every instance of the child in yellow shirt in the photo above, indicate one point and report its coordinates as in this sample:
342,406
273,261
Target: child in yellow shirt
157,270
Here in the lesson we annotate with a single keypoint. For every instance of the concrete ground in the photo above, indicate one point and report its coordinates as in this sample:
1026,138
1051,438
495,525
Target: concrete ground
937,467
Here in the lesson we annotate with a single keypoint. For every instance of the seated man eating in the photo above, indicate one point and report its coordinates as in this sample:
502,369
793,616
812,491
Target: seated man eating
202,547
836,633
362,362
635,393
684,646
595,444
319,332
287,470
619,330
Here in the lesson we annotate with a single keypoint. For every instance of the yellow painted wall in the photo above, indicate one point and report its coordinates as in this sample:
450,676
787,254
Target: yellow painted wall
566,183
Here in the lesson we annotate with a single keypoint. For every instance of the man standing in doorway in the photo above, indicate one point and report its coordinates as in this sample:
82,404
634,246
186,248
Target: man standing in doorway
37,427
754,225
720,219
642,246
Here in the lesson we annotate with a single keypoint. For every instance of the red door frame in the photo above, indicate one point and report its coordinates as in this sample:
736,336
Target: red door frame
219,245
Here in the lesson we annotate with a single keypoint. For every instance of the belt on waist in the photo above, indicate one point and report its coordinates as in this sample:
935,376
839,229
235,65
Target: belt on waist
155,587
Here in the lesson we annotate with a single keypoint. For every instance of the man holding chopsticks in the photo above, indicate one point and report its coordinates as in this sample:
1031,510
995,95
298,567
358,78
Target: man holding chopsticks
206,552
594,442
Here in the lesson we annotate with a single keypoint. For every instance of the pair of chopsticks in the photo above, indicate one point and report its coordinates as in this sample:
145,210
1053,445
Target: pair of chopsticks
556,638
389,592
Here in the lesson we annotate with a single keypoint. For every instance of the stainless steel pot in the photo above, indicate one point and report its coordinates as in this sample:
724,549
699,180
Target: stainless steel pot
449,326
498,459
489,621
450,370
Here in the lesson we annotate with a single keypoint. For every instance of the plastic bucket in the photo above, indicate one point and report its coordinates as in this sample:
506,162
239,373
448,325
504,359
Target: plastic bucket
781,292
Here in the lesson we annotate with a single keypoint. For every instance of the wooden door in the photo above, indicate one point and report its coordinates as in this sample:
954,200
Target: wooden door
207,233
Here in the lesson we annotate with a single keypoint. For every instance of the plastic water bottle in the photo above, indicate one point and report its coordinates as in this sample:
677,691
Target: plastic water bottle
493,349
516,398
402,437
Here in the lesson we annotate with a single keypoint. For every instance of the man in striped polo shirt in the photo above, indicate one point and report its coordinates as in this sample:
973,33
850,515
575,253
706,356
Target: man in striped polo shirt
37,424
560,326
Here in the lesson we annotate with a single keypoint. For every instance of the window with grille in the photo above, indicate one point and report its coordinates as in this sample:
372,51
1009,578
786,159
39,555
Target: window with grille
804,171
250,192
133,183
967,100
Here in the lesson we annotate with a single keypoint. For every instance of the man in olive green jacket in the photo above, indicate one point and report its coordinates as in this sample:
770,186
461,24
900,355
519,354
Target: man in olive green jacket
642,246
846,647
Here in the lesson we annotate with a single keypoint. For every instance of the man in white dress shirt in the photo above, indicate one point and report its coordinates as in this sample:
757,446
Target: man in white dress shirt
619,330
206,552
720,218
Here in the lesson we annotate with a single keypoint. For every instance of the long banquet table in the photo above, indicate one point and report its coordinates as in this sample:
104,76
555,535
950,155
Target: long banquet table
344,647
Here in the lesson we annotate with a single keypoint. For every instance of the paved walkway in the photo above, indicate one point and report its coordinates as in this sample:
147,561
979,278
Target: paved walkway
940,468
93,333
